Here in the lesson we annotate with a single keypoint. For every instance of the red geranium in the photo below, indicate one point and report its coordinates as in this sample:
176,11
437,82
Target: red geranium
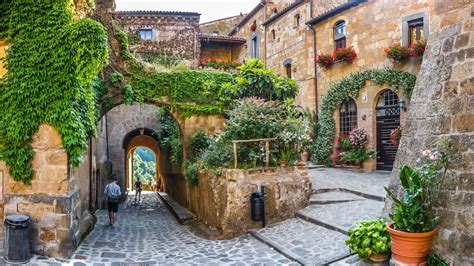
346,54
325,60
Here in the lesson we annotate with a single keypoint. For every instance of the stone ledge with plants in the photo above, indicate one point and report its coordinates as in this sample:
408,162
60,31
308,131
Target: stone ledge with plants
399,54
353,149
326,60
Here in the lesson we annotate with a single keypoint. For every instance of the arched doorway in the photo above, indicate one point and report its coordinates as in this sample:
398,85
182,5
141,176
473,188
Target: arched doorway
138,144
388,118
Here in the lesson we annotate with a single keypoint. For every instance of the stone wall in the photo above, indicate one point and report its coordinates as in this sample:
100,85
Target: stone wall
220,26
3,47
293,44
174,33
443,106
223,202
51,201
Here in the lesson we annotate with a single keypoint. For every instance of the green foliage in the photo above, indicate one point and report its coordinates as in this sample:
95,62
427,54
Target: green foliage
144,166
128,94
218,154
436,260
169,136
191,172
357,155
198,143
413,213
254,80
123,42
350,87
369,237
116,78
51,62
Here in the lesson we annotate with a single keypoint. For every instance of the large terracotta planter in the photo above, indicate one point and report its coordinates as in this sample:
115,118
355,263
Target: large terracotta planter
410,248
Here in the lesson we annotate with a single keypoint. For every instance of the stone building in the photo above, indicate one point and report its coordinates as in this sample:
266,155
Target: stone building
289,35
442,106
170,34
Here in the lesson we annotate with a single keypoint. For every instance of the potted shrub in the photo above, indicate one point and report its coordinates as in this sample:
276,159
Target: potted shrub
370,239
345,54
414,223
325,60
355,149
397,52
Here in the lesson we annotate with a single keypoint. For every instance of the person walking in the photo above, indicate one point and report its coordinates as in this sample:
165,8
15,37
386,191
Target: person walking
138,188
112,191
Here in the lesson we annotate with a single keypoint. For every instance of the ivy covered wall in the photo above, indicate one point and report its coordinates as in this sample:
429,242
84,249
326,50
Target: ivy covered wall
51,62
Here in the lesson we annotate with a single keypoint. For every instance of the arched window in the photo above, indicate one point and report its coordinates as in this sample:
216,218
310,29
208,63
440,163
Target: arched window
288,70
273,35
347,116
340,35
297,20
387,104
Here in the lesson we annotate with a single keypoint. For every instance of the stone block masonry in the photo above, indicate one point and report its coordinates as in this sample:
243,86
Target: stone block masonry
443,106
223,202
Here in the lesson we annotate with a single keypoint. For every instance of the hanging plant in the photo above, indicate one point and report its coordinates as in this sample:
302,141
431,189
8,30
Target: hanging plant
350,87
325,60
397,53
347,55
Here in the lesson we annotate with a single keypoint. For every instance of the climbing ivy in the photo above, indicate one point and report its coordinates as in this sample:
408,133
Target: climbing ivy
350,87
51,64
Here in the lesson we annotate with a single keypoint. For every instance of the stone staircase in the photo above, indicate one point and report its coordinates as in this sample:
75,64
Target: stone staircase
316,235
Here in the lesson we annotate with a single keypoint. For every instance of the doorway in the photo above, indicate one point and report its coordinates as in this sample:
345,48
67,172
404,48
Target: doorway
388,118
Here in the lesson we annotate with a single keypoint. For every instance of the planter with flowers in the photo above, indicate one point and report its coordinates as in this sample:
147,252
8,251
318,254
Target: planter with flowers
325,60
347,55
417,49
399,53
414,222
253,27
358,153
395,136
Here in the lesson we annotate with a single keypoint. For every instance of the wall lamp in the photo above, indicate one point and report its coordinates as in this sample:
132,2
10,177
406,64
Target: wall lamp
403,105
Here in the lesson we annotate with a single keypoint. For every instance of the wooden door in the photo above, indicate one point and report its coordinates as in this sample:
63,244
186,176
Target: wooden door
388,118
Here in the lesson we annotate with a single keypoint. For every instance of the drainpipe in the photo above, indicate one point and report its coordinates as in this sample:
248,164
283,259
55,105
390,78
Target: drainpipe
107,136
263,3
314,59
91,174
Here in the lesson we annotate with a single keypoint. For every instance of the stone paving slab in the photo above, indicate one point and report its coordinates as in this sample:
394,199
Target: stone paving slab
147,232
334,178
314,245
333,197
344,215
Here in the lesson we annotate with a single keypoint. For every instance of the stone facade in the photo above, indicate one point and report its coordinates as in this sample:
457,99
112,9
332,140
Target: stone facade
57,200
3,46
443,106
221,26
223,202
173,34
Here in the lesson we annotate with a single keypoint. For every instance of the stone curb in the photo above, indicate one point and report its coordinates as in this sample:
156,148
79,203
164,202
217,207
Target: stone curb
358,193
290,255
179,212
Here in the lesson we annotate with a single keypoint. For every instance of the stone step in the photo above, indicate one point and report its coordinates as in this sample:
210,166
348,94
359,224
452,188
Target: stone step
333,197
341,216
351,191
304,242
179,212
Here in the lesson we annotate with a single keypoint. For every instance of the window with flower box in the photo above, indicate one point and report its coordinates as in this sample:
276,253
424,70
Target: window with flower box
339,35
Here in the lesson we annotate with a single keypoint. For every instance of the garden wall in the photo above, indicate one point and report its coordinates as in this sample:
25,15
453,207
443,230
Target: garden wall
223,202
443,106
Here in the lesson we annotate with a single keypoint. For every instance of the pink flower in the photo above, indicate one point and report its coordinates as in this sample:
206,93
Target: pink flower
426,153
433,157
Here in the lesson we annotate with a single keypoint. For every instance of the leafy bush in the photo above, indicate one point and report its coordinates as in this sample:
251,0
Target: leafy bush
357,155
369,237
254,80
169,136
191,172
436,260
198,143
218,154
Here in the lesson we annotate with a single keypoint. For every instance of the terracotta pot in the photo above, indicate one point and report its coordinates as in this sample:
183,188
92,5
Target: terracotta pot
379,257
304,156
358,167
410,248
282,163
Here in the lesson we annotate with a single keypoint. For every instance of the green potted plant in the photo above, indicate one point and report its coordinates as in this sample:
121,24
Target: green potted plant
414,222
370,239
357,152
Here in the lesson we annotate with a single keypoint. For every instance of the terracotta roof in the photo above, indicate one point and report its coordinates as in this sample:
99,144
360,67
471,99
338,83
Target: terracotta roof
155,12
283,11
247,17
221,38
335,11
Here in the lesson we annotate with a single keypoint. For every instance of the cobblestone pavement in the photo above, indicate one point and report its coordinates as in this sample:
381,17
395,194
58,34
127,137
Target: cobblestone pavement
149,233
314,245
333,178
344,215
333,197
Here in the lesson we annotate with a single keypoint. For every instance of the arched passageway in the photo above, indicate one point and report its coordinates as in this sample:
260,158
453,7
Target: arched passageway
141,140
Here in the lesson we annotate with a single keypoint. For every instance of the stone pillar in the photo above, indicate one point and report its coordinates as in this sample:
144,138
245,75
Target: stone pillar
48,201
443,106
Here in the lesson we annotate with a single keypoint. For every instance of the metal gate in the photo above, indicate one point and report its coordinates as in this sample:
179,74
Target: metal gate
388,118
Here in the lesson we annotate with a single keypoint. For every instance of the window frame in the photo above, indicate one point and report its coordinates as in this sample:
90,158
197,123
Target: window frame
150,31
297,20
405,26
348,118
339,38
